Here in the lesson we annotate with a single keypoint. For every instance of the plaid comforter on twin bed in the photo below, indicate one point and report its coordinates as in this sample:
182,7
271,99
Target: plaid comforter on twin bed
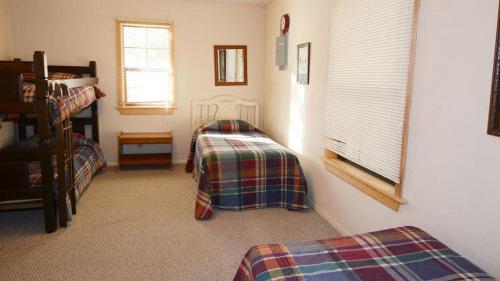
404,253
237,167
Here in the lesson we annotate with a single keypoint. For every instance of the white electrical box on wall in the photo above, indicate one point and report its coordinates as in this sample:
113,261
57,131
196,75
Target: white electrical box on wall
282,51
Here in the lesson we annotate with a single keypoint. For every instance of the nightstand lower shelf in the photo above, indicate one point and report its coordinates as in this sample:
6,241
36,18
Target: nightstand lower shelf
144,159
156,159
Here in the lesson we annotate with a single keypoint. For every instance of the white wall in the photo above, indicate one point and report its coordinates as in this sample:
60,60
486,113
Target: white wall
74,32
5,35
7,131
452,180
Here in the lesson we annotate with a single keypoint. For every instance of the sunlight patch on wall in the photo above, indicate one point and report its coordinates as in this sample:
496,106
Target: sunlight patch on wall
296,116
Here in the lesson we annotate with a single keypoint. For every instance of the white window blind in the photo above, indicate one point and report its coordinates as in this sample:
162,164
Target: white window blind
369,66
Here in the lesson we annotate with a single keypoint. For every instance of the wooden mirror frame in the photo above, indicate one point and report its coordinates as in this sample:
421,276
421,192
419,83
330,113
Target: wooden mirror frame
216,65
494,117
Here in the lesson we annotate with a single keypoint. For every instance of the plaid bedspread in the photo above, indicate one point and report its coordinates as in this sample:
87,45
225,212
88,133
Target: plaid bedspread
88,160
61,108
404,253
237,167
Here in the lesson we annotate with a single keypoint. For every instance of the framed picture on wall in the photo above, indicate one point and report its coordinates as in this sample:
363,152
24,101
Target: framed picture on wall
303,63
494,117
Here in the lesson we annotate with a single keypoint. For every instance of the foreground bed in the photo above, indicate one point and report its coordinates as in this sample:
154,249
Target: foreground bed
404,253
237,167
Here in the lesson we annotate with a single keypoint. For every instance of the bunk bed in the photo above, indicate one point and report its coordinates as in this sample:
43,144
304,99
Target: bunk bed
46,99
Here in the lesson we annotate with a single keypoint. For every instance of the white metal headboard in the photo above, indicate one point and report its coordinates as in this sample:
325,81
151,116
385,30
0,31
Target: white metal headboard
204,111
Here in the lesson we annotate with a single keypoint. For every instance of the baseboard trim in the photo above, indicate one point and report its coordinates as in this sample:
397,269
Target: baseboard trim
176,162
340,228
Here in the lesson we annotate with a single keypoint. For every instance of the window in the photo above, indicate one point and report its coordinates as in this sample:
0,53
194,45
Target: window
369,87
146,76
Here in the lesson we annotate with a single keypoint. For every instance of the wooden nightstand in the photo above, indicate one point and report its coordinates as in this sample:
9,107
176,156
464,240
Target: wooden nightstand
145,159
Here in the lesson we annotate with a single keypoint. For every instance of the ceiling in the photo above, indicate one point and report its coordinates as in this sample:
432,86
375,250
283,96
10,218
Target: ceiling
244,2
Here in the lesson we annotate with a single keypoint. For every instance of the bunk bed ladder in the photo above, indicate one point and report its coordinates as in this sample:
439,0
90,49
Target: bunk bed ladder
64,173
65,164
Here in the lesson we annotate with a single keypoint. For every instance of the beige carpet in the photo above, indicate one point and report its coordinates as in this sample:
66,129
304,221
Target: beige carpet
139,225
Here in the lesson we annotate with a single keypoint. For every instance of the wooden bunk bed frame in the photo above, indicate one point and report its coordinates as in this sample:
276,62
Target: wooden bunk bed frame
14,161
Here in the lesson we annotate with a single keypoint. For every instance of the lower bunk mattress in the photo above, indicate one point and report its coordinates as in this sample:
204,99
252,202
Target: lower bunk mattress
238,167
404,253
88,160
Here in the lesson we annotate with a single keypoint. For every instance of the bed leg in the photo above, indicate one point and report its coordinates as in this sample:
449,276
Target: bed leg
63,214
72,197
62,207
50,216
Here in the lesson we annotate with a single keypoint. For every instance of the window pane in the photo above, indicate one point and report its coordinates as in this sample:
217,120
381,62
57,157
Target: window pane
159,58
135,57
148,87
134,37
158,38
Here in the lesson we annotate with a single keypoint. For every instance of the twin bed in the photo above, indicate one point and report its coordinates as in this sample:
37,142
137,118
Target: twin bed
403,253
237,167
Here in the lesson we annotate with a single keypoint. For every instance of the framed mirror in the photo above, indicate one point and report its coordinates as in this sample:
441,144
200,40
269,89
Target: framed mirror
230,63
494,117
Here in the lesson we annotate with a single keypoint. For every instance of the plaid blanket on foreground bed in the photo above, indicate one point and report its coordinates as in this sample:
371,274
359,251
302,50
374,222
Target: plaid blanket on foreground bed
404,253
237,167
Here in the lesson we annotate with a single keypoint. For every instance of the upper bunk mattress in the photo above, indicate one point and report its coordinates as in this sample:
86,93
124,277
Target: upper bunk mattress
404,253
60,107
238,167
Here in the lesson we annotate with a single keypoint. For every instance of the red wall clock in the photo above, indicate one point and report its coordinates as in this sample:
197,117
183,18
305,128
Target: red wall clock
285,24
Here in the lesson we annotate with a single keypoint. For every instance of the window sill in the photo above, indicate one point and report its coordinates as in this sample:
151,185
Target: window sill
146,110
367,183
